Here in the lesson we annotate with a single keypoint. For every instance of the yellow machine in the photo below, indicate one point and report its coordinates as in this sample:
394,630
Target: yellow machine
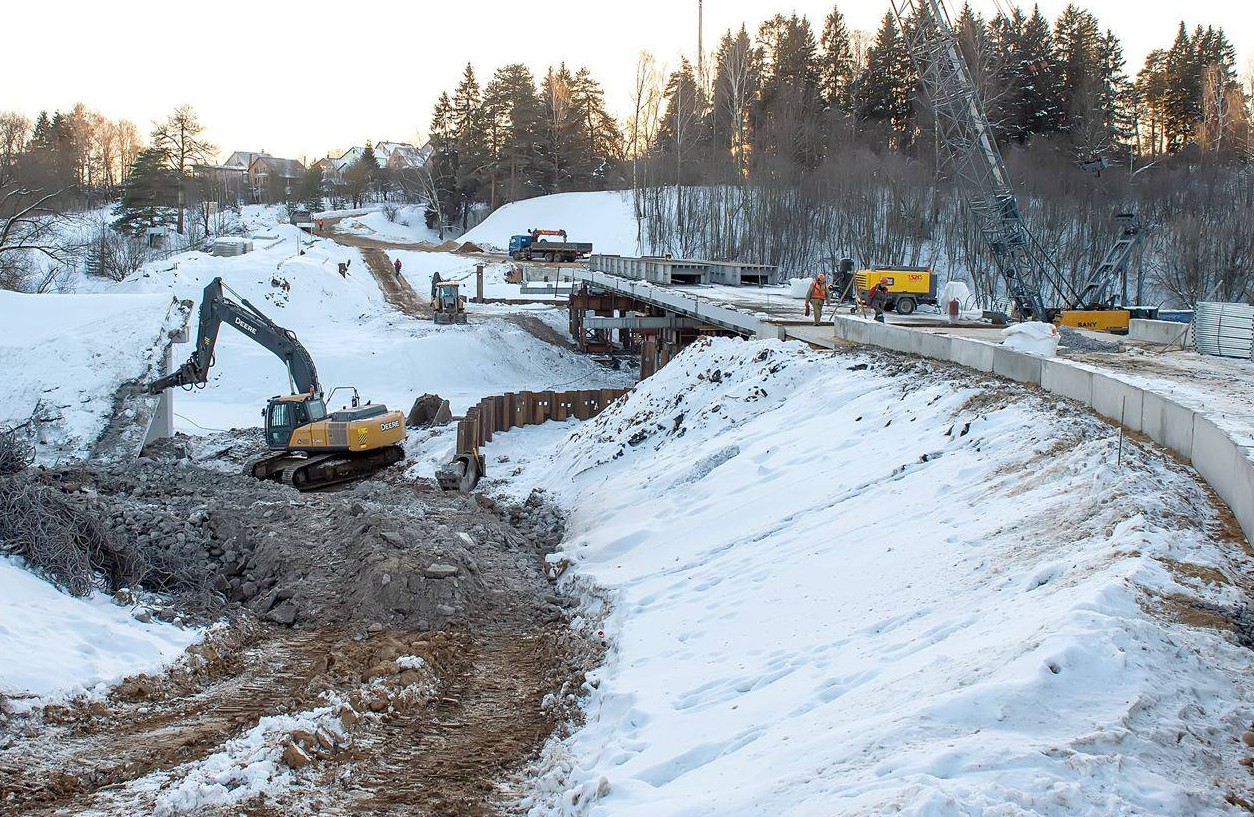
1116,321
907,286
311,447
448,304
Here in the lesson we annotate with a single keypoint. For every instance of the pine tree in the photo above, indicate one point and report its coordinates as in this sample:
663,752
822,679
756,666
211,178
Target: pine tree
682,133
790,100
513,117
180,136
446,204
310,192
472,153
884,91
149,193
598,142
837,63
362,176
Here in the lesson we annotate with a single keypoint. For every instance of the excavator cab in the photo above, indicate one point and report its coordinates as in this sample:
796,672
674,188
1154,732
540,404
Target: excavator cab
286,414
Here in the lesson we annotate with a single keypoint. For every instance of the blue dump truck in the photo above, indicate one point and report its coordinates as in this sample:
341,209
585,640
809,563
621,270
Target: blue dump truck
535,246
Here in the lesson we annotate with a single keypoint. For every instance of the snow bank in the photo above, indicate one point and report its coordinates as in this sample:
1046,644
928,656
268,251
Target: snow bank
376,225
604,218
69,354
57,646
864,592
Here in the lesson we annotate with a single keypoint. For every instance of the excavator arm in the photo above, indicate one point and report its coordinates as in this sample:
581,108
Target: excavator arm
215,309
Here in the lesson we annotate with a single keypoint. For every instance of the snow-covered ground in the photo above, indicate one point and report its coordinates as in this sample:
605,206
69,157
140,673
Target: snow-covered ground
844,591
604,218
70,353
67,354
376,225
54,645
355,337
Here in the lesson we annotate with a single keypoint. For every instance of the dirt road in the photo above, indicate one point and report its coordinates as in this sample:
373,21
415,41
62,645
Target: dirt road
396,289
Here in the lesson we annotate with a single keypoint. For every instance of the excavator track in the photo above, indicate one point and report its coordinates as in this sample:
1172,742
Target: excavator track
309,473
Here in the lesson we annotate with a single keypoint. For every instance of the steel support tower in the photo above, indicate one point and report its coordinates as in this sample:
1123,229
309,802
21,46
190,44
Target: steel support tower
968,143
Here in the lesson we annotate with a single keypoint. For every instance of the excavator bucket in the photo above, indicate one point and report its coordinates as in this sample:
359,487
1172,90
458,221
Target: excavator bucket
462,473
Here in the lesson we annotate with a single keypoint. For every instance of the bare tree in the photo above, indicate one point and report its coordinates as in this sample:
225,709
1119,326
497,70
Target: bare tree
15,130
180,136
29,223
647,92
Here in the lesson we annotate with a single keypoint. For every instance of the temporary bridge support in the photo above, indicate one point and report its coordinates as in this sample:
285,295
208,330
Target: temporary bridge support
658,321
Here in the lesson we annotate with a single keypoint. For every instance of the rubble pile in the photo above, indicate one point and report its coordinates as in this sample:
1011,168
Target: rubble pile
396,554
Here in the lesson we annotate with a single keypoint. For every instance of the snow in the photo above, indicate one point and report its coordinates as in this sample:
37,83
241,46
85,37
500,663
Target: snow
863,592
604,218
376,225
354,336
242,769
58,646
69,354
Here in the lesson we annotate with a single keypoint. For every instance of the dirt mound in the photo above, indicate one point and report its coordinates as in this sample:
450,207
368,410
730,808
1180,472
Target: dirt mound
447,246
469,246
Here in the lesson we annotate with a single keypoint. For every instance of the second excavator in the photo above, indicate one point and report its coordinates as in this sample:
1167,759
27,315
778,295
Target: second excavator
312,447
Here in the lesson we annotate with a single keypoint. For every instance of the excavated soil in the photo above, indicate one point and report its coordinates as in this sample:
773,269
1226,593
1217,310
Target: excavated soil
422,619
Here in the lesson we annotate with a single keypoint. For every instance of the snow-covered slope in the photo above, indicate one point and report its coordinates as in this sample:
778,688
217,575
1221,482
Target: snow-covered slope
355,337
67,355
844,591
376,225
56,645
604,218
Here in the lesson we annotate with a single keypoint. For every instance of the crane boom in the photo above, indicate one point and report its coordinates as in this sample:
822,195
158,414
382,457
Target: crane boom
215,309
968,140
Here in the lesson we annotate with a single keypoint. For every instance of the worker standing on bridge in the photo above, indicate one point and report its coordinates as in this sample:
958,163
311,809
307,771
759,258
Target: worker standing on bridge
816,297
397,264
877,297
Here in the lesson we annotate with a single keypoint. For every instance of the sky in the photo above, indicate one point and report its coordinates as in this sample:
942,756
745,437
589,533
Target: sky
302,79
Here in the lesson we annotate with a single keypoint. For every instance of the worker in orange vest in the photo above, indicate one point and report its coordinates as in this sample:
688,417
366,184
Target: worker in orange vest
816,297
877,297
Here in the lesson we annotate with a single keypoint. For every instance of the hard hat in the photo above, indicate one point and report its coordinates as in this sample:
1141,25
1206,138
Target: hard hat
884,280
822,275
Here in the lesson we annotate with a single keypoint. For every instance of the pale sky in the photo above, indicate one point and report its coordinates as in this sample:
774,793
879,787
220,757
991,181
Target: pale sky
304,78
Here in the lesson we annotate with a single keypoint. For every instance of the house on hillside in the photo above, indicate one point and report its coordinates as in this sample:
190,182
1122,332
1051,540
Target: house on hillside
227,182
273,180
394,155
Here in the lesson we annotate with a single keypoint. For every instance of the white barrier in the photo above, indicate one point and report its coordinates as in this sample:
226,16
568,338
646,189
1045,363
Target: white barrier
1225,463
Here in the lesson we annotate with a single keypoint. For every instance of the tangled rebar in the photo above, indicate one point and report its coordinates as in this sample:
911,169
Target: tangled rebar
65,542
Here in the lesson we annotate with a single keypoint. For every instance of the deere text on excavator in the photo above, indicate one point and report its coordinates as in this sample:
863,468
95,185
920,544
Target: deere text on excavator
313,448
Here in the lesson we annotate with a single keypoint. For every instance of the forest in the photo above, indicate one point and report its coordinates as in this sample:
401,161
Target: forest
795,143
799,144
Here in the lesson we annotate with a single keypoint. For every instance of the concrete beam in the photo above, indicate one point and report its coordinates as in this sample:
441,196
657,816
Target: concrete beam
1117,400
1017,366
972,353
593,321
1164,333
1068,381
1167,422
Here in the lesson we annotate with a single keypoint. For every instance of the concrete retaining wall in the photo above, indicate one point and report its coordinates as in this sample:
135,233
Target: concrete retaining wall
1227,464
1164,333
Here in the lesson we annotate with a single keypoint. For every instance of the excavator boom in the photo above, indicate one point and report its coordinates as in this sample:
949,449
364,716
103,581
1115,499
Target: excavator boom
215,309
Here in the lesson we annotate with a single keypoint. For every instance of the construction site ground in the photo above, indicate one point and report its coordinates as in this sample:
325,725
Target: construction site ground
418,628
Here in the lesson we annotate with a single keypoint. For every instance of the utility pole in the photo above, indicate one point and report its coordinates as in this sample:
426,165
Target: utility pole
700,45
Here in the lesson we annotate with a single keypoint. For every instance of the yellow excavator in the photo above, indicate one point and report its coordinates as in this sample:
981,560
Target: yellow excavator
312,447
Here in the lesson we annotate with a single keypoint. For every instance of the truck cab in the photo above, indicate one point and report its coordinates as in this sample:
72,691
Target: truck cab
518,243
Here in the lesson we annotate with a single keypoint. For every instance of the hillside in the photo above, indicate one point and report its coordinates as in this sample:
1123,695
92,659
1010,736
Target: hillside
604,218
830,590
